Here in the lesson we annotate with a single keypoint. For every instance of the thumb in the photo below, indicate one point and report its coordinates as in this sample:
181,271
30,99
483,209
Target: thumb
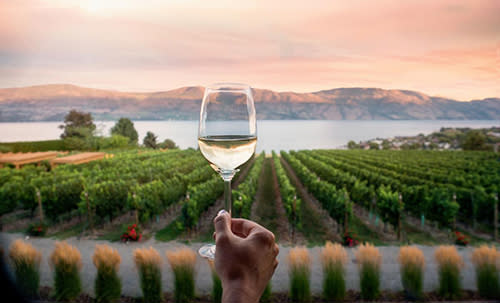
222,225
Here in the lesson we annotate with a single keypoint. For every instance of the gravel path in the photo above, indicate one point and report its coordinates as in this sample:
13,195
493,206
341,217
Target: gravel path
390,270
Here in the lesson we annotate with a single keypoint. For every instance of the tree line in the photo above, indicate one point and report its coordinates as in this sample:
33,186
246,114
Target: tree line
80,133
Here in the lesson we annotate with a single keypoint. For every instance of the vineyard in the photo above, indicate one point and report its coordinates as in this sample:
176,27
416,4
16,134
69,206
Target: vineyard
303,196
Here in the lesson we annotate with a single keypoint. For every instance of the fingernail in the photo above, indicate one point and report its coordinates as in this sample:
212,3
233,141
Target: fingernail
221,212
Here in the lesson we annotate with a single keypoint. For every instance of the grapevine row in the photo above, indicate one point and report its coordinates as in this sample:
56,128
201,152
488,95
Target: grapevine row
288,193
333,200
243,195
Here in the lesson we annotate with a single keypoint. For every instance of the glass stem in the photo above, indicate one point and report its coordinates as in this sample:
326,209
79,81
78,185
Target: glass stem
227,196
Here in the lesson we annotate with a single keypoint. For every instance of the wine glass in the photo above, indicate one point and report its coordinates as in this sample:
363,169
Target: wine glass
227,135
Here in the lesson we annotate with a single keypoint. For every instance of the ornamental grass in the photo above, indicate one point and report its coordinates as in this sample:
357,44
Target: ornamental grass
216,284
411,265
369,261
108,286
67,263
266,294
26,262
300,272
333,259
148,263
183,264
485,260
449,266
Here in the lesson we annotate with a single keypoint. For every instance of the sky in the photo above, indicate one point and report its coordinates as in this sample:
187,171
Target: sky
443,48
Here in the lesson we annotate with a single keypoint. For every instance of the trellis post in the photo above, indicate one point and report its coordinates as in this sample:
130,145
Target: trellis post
294,205
39,200
91,222
346,216
495,218
134,196
400,224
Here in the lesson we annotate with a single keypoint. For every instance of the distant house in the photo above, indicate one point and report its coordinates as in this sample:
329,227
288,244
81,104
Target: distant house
445,145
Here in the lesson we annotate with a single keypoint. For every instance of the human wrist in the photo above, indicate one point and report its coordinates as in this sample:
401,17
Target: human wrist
238,292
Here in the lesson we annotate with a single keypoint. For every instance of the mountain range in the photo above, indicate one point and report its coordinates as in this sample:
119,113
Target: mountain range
52,102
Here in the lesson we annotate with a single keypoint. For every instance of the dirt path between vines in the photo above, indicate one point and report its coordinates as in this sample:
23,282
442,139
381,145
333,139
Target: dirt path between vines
383,230
267,208
327,226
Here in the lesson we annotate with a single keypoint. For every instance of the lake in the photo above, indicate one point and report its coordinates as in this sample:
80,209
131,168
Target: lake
272,135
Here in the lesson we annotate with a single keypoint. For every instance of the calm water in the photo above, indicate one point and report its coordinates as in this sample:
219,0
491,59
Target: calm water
272,135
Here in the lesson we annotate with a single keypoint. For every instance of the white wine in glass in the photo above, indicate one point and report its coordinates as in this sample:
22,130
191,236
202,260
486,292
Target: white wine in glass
227,135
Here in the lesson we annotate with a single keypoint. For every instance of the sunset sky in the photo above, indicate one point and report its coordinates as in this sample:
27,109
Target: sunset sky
442,48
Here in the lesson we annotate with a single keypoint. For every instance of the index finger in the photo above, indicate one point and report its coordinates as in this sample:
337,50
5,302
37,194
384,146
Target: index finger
243,227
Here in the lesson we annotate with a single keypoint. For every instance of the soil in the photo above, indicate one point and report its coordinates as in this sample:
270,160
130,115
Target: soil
265,209
386,235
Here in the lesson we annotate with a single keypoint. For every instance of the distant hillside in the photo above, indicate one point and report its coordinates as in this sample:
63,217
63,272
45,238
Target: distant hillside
52,102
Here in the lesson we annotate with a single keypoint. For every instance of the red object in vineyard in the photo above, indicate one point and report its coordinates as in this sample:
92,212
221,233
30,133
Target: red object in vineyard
349,239
132,234
461,239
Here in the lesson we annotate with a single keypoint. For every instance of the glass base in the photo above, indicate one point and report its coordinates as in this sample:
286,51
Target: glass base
207,251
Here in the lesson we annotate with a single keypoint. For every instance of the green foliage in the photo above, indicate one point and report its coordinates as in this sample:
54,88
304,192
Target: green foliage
201,197
168,144
5,148
82,138
150,140
27,278
125,127
33,146
412,277
216,288
247,189
67,283
352,145
267,294
334,282
38,229
289,196
388,205
374,145
183,284
369,279
332,199
115,141
300,290
108,286
10,194
147,199
107,198
475,140
487,278
441,206
77,124
150,280
449,281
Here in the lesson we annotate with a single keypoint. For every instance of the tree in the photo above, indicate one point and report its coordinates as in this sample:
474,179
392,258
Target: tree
77,124
474,140
374,145
125,127
168,144
386,144
352,145
150,140
115,141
